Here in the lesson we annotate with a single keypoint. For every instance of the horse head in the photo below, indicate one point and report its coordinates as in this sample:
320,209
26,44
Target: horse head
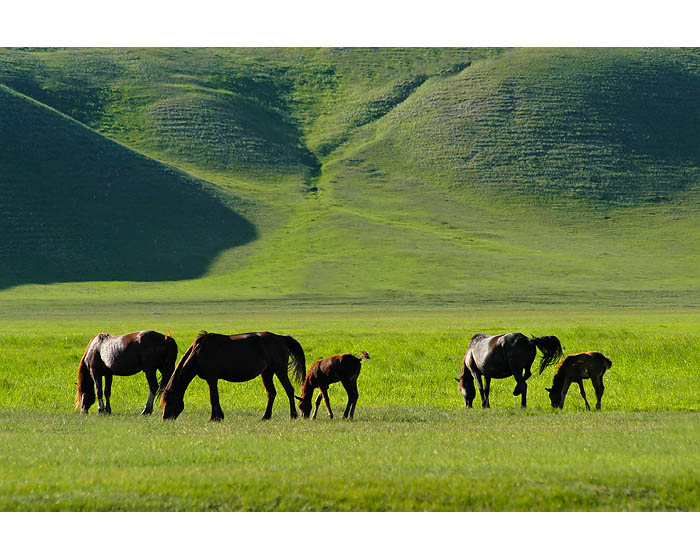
553,397
173,404
304,406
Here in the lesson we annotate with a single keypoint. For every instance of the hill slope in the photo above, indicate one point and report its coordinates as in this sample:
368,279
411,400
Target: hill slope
78,207
394,174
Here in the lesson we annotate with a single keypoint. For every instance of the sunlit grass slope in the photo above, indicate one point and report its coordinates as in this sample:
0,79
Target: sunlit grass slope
430,175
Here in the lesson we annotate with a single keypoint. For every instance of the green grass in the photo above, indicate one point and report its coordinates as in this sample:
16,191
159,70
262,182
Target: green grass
453,175
387,460
412,445
390,200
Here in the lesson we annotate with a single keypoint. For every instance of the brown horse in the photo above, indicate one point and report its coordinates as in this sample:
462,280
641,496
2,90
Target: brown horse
125,354
576,368
237,358
500,356
341,367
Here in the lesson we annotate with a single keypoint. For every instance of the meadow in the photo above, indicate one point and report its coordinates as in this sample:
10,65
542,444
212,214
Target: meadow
412,446
393,200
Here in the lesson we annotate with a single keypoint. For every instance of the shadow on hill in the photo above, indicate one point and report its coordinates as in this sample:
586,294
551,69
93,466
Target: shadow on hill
75,206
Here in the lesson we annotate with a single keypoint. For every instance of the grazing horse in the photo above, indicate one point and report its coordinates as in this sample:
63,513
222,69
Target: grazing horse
237,358
125,354
576,368
341,367
500,356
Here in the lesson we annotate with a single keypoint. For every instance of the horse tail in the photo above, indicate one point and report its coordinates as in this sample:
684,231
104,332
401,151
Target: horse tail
168,366
298,360
550,348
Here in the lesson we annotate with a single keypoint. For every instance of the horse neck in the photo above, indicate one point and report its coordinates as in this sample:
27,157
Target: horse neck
181,379
307,388
558,380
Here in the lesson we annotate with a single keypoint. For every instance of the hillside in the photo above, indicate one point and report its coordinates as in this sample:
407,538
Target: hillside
396,175
78,207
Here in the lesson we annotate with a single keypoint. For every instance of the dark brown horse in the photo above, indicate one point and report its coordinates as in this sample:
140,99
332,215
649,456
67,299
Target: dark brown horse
237,358
576,368
125,354
500,356
341,367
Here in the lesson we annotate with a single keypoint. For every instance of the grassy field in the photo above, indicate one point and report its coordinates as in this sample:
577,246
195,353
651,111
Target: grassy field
390,200
455,175
412,446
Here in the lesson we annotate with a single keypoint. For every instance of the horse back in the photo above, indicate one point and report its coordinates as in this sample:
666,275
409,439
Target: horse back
584,365
492,354
334,368
238,357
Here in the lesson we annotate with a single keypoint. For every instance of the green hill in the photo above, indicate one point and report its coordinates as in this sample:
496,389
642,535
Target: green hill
390,175
76,206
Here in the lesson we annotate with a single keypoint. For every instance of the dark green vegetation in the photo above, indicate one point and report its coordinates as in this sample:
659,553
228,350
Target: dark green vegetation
435,175
395,201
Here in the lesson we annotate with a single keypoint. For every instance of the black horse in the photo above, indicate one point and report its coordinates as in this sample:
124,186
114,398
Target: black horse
576,368
500,356
125,354
237,358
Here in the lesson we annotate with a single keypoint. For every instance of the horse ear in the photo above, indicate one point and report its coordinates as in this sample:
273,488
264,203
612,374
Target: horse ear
298,398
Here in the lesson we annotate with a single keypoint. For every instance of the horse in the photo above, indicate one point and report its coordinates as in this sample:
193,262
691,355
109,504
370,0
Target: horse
499,357
577,367
237,358
341,367
127,354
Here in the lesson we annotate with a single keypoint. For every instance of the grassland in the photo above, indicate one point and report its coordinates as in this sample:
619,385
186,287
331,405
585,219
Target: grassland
443,175
396,201
411,447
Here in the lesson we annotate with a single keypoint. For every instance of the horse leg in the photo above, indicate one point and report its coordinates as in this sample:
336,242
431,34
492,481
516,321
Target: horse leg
289,389
217,414
564,389
319,397
523,396
323,394
271,392
357,396
351,390
97,378
520,385
487,390
599,388
152,390
108,392
583,393
480,385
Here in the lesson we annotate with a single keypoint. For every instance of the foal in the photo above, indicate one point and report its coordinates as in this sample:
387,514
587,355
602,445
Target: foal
576,368
341,367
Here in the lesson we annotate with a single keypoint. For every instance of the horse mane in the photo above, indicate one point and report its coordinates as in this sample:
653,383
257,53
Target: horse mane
200,334
82,369
558,378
